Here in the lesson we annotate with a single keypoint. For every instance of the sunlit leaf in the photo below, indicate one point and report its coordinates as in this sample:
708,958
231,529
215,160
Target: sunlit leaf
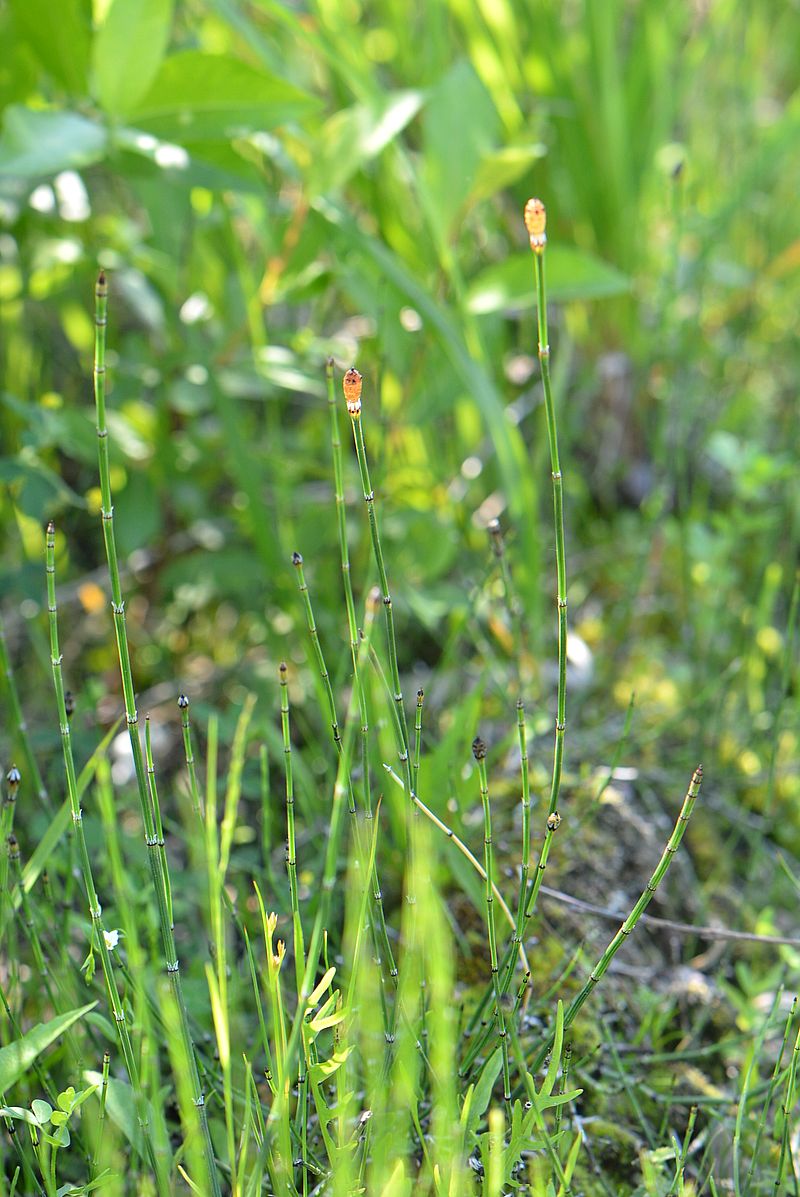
17,1057
38,144
571,274
128,50
59,37
196,96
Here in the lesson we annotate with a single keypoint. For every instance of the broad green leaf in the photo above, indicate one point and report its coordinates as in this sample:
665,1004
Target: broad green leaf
460,126
499,170
39,144
549,1082
42,1110
197,96
120,1106
356,135
128,50
571,274
59,37
483,1088
17,1057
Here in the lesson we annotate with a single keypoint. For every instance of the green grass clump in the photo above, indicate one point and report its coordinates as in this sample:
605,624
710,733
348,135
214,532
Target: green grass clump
253,1033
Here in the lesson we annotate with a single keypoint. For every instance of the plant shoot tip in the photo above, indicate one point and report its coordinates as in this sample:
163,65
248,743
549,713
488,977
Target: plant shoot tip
351,385
479,749
535,217
297,558
183,701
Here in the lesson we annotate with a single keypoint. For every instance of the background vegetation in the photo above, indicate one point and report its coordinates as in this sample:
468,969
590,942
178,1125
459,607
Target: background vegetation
270,184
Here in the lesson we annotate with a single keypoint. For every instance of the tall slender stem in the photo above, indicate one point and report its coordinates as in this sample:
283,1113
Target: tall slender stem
98,929
601,967
479,752
535,223
160,883
352,390
291,849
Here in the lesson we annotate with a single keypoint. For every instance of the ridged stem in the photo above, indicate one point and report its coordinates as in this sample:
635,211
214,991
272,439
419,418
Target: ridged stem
98,929
160,883
479,752
188,752
291,849
558,512
601,967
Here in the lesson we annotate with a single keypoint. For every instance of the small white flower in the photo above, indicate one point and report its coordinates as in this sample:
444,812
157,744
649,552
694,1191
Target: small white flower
112,939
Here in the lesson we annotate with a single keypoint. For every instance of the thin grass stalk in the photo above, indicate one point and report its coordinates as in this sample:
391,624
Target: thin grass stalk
291,848
18,723
379,931
297,562
463,849
744,1095
787,1109
511,600
99,936
627,927
278,1110
132,717
762,1121
101,1119
479,752
31,931
526,820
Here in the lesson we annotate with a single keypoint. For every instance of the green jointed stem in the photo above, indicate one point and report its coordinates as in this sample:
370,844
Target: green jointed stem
630,922
385,949
479,752
558,510
188,750
18,719
417,741
291,849
352,389
98,929
277,1112
160,883
297,562
762,1121
526,821
160,845
535,220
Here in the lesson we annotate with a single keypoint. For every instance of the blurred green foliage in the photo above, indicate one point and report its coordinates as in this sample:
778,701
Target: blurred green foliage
267,184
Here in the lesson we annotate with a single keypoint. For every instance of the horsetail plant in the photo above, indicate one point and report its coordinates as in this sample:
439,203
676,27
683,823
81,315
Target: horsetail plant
383,946
160,883
479,752
535,223
291,849
100,937
629,924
